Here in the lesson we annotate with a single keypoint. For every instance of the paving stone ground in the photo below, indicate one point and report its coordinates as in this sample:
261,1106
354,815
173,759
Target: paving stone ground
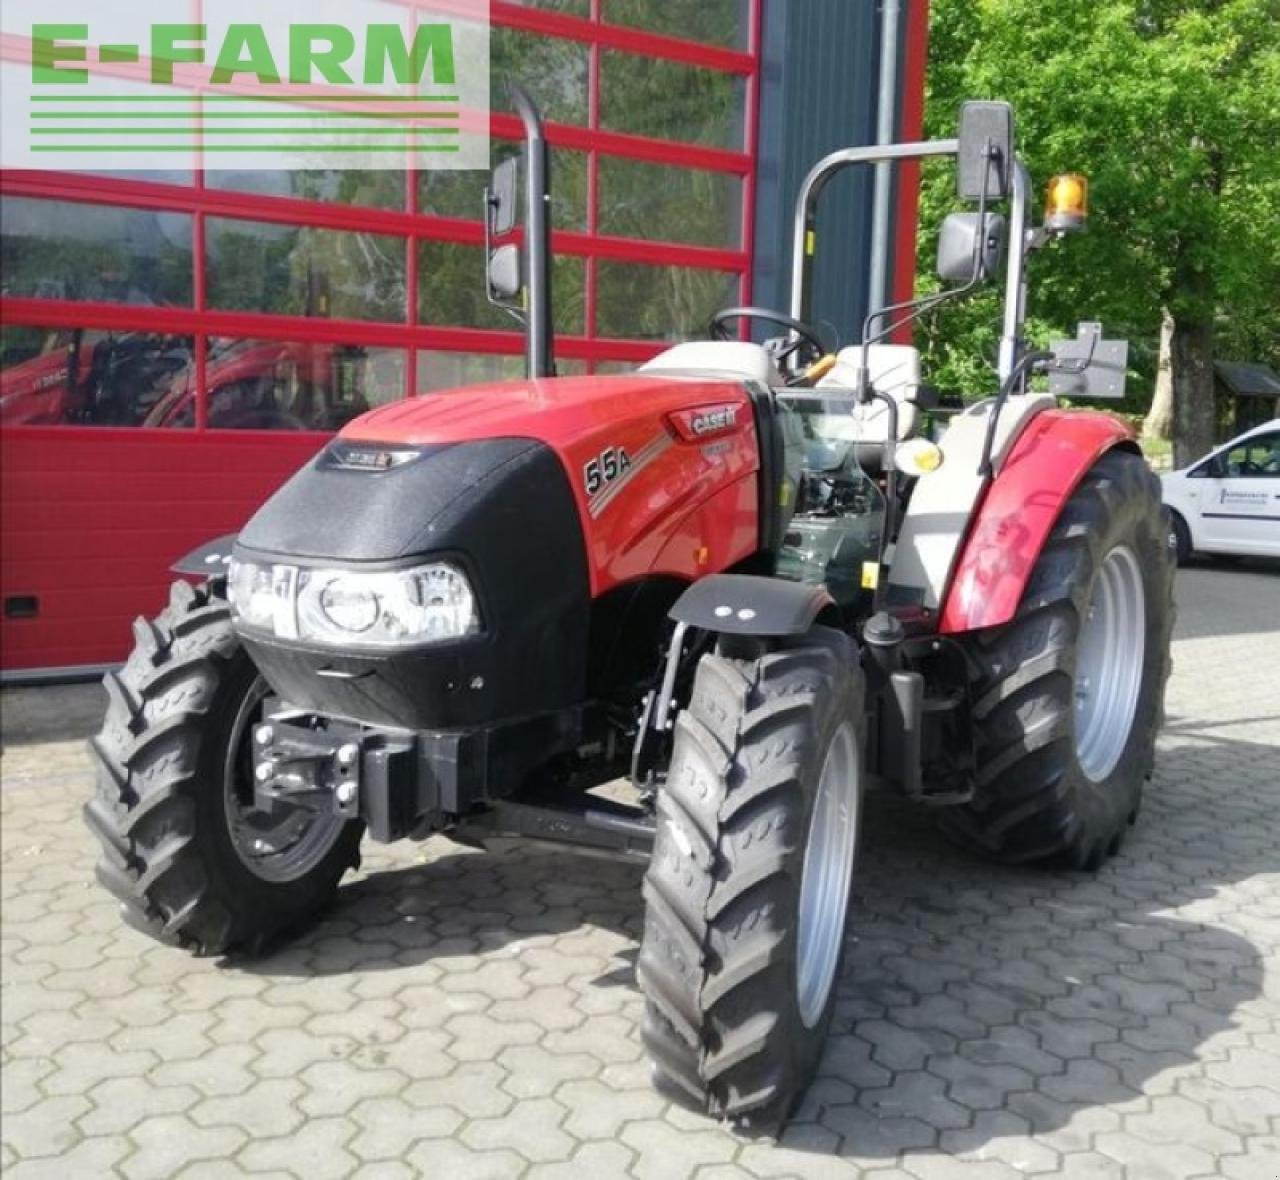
463,1015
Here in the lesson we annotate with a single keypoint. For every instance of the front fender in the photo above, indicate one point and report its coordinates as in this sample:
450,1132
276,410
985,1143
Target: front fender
743,604
1019,510
210,560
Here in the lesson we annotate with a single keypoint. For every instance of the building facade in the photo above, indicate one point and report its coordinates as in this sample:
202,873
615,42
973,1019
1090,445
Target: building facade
174,344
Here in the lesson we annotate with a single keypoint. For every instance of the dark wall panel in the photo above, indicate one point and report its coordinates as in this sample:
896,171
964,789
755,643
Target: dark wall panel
818,93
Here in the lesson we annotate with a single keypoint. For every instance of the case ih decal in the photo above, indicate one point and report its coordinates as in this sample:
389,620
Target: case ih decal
703,422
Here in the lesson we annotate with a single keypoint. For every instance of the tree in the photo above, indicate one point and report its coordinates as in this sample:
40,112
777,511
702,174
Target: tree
1172,107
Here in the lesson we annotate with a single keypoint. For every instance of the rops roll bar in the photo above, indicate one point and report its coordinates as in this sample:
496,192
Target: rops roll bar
804,241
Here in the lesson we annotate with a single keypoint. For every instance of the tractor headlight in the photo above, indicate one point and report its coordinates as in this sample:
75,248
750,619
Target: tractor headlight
391,608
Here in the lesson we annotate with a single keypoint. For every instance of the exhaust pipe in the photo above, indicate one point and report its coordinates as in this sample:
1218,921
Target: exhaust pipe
539,341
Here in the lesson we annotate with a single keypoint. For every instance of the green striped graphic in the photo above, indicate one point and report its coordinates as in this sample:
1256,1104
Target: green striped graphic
309,148
293,98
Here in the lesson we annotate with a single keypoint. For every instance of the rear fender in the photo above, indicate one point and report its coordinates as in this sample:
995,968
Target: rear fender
210,560
1044,467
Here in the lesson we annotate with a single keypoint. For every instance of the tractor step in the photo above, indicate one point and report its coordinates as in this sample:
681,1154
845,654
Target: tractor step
606,829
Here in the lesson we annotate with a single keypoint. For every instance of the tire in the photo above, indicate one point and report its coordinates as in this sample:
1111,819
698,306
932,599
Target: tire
1181,538
162,808
728,1027
1053,785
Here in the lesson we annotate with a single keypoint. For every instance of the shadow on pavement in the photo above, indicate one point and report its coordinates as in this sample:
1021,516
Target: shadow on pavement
976,1002
1220,597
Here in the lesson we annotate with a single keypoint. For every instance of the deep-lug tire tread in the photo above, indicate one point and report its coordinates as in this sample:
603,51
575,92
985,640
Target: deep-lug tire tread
717,958
1031,802
156,858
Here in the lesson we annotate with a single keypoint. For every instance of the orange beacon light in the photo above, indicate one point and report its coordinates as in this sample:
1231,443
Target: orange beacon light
1066,202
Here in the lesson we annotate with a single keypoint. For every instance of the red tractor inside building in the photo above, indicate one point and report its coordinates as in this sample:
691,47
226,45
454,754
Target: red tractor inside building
738,579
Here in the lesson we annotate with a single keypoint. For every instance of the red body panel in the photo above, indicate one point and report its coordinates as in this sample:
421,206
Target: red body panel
1013,522
94,517
683,507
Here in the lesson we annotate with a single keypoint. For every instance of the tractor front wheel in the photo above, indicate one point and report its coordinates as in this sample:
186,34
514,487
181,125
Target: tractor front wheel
192,860
1068,696
748,887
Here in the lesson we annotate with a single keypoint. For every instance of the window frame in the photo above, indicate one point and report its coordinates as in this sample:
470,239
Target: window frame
588,347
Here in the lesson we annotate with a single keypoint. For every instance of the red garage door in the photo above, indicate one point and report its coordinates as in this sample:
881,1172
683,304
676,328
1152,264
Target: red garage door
173,344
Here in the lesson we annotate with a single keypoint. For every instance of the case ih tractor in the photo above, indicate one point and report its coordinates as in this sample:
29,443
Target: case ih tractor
736,577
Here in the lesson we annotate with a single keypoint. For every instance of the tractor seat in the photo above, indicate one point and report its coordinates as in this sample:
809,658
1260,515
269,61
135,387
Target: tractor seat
895,370
737,360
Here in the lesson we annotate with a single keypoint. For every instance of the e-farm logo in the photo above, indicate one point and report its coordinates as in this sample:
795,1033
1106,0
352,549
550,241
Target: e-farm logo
369,84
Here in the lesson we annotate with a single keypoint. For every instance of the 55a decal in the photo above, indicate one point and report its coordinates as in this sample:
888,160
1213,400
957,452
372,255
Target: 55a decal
598,473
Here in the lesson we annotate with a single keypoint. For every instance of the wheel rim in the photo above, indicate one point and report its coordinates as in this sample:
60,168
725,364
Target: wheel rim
1109,664
280,846
826,875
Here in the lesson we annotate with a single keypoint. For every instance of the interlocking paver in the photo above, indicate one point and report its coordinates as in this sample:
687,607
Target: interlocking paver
469,1015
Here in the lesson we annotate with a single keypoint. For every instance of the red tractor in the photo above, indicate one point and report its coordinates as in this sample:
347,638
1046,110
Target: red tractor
736,577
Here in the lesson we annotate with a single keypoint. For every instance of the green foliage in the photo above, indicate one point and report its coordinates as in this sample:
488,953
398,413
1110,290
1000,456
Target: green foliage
1172,109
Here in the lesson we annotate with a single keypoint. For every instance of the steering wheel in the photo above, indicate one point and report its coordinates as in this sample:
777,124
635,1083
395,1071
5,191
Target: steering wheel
805,345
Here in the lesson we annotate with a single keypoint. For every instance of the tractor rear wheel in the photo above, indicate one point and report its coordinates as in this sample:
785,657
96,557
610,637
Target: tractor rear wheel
748,887
1068,696
192,861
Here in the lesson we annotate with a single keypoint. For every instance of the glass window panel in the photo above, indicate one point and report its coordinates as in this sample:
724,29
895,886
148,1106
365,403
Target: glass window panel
290,385
555,73
580,8
461,194
659,302
151,175
670,100
379,190
69,250
452,289
715,22
448,370
613,368
87,377
301,270
439,370
642,200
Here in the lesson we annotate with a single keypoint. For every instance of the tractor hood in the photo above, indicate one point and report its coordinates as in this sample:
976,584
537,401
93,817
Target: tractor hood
561,412
545,494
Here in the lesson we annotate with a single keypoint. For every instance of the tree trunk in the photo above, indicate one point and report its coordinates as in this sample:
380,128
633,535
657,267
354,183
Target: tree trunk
1191,371
1159,420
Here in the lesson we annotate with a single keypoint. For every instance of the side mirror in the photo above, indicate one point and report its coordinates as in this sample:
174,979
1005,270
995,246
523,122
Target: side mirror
985,157
501,196
504,264
504,272
965,240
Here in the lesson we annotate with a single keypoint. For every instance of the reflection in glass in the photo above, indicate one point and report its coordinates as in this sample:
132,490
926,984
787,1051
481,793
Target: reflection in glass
671,100
660,203
659,302
554,71
289,385
381,190
461,194
69,250
447,370
452,289
301,270
85,377
715,22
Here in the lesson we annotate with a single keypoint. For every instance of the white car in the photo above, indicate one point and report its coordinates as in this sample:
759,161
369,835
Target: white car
1229,501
